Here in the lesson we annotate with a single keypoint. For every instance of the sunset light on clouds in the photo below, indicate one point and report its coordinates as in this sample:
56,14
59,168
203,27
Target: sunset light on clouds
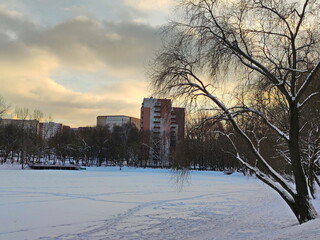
76,60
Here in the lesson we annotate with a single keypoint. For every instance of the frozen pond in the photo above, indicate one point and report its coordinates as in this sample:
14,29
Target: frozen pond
105,203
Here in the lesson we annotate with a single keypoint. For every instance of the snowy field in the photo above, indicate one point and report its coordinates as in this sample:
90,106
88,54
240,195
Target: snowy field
105,203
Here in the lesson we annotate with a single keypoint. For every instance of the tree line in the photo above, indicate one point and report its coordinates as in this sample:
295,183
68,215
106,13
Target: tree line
21,143
96,146
201,149
86,146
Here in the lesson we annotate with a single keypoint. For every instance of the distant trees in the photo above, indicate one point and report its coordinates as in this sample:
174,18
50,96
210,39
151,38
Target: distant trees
125,144
3,107
272,49
9,142
204,148
20,142
97,145
87,146
61,146
102,143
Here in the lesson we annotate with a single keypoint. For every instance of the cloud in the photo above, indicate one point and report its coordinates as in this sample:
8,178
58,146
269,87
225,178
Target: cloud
77,69
84,42
162,5
156,12
50,13
27,85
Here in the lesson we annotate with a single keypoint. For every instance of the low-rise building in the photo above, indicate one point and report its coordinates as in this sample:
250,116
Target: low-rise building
117,120
32,125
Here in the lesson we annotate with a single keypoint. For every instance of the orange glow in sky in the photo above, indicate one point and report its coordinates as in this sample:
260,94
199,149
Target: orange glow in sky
76,60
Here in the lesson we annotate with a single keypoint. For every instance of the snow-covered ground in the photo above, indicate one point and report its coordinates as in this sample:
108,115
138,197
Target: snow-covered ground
105,203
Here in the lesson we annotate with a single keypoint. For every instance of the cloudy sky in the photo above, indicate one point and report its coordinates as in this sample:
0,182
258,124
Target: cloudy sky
77,59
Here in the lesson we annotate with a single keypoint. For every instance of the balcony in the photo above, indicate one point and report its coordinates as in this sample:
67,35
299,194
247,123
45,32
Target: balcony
156,130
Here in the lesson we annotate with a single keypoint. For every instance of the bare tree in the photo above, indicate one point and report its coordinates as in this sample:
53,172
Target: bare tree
273,44
37,115
3,107
21,113
29,135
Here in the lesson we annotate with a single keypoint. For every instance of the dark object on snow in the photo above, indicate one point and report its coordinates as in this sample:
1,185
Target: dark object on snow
228,172
53,167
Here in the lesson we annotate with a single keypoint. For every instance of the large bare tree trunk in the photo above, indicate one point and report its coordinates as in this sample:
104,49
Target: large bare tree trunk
303,210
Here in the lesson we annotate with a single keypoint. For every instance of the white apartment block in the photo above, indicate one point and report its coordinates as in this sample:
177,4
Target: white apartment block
50,129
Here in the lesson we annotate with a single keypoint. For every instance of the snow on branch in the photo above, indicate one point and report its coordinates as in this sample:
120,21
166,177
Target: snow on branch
259,157
275,128
243,109
307,81
287,194
293,70
300,105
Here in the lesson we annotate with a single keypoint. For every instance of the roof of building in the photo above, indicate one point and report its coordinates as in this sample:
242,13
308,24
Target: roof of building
117,116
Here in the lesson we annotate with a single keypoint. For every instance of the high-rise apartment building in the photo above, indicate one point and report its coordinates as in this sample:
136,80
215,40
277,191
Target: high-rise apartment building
177,125
162,127
117,120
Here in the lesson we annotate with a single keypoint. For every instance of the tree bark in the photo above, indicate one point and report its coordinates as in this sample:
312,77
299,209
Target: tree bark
302,207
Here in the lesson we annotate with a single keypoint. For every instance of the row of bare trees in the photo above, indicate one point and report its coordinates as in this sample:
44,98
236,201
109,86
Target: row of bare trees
86,146
20,142
98,145
203,148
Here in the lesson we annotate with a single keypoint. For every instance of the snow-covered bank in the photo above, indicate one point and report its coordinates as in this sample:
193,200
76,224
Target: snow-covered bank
105,203
8,166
